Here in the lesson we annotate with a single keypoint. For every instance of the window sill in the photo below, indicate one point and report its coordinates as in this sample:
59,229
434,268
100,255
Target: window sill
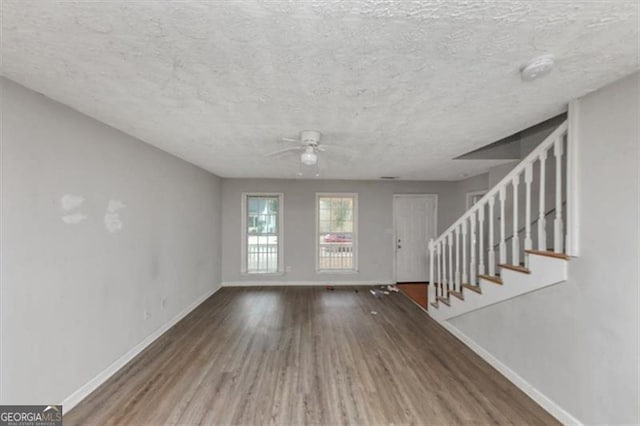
337,271
262,274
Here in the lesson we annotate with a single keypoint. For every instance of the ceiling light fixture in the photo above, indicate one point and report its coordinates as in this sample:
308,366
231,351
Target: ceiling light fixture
537,67
308,157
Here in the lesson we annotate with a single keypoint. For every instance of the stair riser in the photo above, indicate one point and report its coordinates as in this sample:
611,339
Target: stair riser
472,301
545,271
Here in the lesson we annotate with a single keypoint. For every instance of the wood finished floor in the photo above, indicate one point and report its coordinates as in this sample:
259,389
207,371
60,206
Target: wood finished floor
305,355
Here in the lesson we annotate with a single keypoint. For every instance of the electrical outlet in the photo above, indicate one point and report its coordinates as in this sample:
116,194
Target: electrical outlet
147,314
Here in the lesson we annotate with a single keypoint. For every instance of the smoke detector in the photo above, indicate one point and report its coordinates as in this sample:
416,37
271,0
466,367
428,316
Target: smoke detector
537,67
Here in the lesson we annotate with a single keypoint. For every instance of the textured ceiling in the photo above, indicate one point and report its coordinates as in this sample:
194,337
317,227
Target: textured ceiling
409,84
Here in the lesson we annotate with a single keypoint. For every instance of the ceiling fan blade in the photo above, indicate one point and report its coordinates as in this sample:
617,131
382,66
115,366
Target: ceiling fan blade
290,140
340,148
282,151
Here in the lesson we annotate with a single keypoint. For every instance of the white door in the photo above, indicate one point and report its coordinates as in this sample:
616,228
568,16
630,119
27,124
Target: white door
415,224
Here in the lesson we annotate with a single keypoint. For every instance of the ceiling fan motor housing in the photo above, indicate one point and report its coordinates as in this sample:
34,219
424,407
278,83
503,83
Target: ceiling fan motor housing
310,137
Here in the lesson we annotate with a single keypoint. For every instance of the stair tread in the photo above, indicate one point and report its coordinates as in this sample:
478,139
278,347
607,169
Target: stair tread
491,278
456,294
434,304
516,268
549,254
444,300
472,287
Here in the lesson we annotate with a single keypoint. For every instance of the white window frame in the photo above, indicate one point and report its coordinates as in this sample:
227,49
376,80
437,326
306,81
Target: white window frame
471,194
243,245
356,250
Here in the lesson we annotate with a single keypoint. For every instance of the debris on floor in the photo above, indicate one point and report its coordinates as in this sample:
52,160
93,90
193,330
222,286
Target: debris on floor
375,292
374,313
384,290
330,288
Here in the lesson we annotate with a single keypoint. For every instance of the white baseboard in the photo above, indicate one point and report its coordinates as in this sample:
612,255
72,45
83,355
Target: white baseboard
554,409
300,283
81,393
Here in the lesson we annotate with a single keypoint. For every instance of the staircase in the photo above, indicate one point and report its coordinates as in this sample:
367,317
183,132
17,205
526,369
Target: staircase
474,263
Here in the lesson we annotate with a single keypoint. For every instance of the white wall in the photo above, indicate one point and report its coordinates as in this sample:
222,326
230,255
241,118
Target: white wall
74,295
375,226
577,342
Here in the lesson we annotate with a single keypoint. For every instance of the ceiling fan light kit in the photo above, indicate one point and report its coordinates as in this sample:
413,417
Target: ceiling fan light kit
309,157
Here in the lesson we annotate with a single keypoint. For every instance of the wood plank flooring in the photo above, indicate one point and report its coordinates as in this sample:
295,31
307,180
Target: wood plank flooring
305,355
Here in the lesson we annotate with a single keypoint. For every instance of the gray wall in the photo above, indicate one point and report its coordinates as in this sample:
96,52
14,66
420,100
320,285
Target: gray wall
462,187
74,294
578,342
496,173
530,140
375,239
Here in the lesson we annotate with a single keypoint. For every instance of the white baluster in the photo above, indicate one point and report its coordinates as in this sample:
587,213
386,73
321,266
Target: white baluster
444,266
492,254
481,269
456,284
557,225
450,245
432,274
542,233
465,275
502,245
439,284
515,247
528,177
472,265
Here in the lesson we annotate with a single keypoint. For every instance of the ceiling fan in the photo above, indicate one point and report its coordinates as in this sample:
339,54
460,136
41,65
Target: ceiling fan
309,146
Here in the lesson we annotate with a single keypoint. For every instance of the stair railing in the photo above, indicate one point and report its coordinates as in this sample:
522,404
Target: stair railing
457,256
534,222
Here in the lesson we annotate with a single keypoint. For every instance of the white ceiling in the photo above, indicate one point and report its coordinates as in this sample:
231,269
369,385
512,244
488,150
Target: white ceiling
410,84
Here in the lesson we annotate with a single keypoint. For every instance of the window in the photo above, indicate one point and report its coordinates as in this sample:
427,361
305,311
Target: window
262,233
336,232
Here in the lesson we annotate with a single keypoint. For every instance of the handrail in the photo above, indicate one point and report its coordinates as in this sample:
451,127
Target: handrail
533,156
522,229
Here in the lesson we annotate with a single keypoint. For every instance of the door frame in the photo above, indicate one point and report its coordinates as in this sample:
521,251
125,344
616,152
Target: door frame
395,237
471,194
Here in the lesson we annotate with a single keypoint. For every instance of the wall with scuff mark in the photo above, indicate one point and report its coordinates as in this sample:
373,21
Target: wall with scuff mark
98,229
